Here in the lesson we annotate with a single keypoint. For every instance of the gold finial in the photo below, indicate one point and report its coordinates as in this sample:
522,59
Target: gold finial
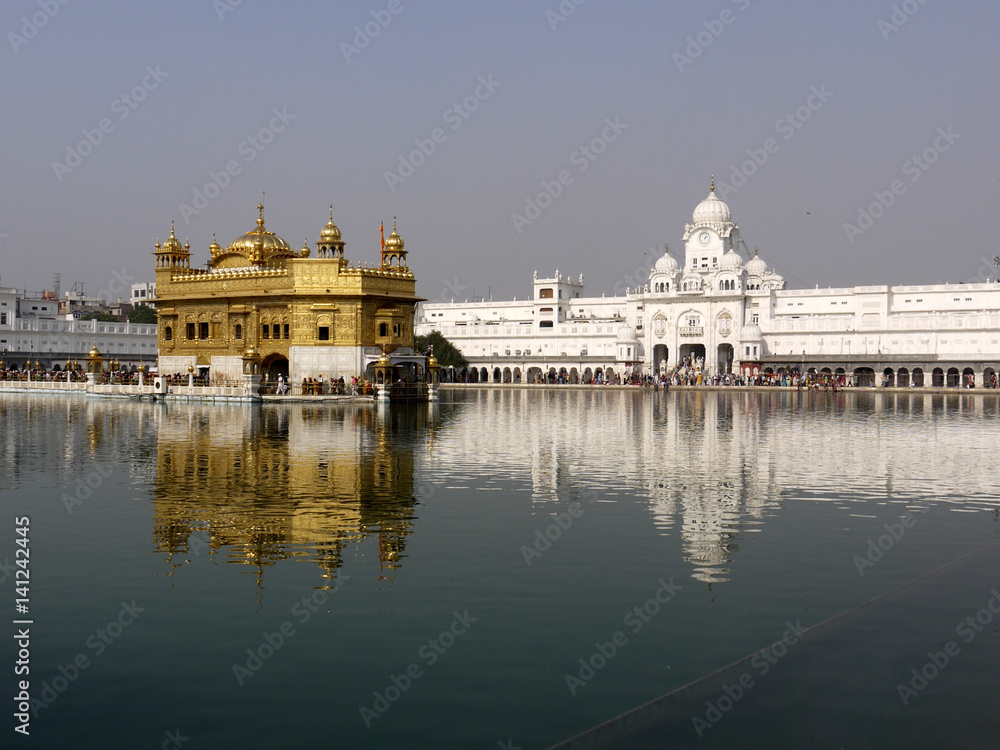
260,214
393,223
755,250
666,249
713,184
331,212
172,228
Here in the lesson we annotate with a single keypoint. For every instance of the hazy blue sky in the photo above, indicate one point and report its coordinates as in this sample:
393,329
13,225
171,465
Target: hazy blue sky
211,75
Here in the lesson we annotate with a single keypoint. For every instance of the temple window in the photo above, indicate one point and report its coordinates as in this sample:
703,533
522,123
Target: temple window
324,333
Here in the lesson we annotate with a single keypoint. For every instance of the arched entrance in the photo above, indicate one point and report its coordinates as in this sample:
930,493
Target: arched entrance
693,352
968,378
660,355
888,378
918,377
864,377
274,365
725,359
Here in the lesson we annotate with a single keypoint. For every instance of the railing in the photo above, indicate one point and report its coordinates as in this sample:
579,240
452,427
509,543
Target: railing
691,330
46,385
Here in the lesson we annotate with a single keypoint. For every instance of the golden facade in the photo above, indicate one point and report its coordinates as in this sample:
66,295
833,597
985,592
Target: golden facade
302,316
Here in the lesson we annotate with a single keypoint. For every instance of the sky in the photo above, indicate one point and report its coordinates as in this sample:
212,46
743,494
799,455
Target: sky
850,139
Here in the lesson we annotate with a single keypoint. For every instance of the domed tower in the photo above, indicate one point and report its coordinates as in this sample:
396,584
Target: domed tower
706,237
330,244
171,256
393,254
664,274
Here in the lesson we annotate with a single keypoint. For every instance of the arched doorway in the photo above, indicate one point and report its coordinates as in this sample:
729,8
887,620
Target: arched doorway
903,377
918,377
888,377
864,377
660,355
692,352
725,359
274,365
968,378
937,378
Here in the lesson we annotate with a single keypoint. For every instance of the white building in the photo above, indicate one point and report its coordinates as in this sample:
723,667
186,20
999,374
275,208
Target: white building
143,294
31,329
723,312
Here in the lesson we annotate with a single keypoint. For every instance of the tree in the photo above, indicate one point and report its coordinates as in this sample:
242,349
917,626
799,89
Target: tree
448,355
142,314
104,317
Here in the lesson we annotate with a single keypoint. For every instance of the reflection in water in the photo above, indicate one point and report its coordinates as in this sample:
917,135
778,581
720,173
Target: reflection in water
263,484
714,465
258,484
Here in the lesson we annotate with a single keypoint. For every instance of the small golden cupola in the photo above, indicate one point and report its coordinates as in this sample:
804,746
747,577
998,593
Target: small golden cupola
330,244
171,254
393,254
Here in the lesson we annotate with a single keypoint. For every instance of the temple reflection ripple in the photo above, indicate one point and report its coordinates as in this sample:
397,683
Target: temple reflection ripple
259,485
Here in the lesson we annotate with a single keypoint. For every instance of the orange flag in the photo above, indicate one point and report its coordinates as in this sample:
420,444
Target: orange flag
381,234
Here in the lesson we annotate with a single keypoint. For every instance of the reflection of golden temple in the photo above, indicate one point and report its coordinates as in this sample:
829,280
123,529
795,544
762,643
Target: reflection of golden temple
286,481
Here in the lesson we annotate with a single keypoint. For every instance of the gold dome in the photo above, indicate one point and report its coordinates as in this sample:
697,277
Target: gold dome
269,244
394,240
330,232
172,244
214,247
94,352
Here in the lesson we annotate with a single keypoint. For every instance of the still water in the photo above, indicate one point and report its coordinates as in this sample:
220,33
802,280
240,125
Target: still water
508,568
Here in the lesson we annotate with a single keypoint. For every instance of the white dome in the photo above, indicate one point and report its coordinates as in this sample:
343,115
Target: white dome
712,210
666,264
731,261
756,266
751,332
625,333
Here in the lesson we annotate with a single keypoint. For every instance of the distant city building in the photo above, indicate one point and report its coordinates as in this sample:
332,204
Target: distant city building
261,301
721,313
31,330
143,294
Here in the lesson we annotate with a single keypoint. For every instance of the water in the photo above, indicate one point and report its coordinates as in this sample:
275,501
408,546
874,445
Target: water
460,560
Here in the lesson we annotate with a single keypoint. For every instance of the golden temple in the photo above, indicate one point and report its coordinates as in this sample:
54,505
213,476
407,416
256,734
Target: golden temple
287,312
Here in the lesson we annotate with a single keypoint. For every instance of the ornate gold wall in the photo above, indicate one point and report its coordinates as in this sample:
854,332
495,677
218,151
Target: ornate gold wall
260,291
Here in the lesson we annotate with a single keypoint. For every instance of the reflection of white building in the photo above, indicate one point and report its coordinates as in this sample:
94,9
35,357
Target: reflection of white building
722,307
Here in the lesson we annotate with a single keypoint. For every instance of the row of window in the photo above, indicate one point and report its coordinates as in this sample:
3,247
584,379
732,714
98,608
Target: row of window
268,331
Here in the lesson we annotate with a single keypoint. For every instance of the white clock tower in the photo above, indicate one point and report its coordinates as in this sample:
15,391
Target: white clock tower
709,235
